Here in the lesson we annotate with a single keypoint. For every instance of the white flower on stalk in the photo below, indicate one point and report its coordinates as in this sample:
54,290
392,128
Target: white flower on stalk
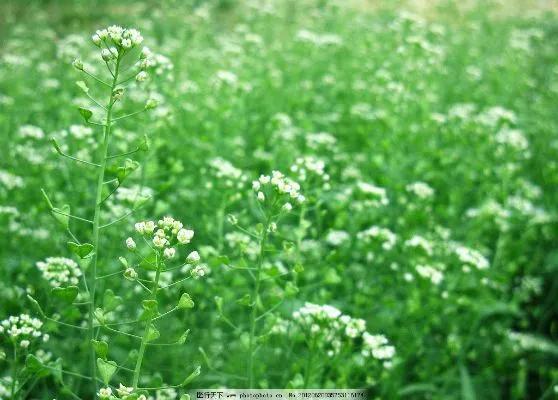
261,196
130,244
169,252
105,393
184,236
159,241
130,274
193,257
198,272
142,76
124,390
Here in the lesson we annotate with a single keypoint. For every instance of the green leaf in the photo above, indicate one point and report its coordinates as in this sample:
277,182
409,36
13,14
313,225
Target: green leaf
55,145
67,294
192,376
185,301
106,369
101,348
129,167
36,305
33,364
111,301
85,113
183,337
149,263
83,250
467,389
152,334
83,86
63,219
144,144
245,300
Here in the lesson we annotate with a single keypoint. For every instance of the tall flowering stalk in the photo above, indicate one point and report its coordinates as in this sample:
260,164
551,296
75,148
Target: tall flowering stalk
121,52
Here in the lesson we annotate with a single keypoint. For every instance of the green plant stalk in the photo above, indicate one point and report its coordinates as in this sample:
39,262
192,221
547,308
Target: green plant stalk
14,373
143,344
97,222
308,367
255,298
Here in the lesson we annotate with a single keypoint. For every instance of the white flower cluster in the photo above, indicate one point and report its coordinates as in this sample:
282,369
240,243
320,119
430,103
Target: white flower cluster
513,138
227,174
420,189
378,195
387,237
123,392
335,328
431,273
60,271
10,181
277,184
309,168
377,346
167,233
337,238
23,329
31,131
153,61
469,257
417,241
122,38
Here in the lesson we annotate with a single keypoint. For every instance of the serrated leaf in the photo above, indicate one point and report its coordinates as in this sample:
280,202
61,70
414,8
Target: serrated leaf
36,305
83,86
111,301
185,301
152,334
83,250
101,348
106,369
192,376
85,113
183,337
67,294
62,215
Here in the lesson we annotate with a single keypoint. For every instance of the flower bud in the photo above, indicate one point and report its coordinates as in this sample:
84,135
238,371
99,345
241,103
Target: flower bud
193,257
106,55
169,252
96,39
130,244
78,64
151,103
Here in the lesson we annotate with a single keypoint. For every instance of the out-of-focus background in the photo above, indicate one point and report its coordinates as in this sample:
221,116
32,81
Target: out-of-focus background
424,135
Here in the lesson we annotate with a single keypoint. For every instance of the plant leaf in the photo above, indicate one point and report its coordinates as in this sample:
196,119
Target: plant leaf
106,369
192,376
63,219
85,113
36,305
183,337
83,86
152,334
83,250
111,301
185,301
67,294
101,348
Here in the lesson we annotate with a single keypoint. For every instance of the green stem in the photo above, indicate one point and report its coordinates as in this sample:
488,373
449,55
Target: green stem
97,223
308,368
144,338
255,299
14,373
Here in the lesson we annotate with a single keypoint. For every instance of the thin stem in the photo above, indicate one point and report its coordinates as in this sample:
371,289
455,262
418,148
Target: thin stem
123,154
78,160
144,339
98,80
54,210
14,372
128,115
255,298
97,219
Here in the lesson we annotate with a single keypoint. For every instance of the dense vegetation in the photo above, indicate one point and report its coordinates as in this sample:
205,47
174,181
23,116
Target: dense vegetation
278,194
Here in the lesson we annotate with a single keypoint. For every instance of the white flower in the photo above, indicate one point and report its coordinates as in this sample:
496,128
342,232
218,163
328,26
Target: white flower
141,76
140,227
130,274
198,272
169,252
130,244
261,196
159,241
25,343
184,236
60,271
256,185
149,227
124,391
105,393
193,257
287,207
